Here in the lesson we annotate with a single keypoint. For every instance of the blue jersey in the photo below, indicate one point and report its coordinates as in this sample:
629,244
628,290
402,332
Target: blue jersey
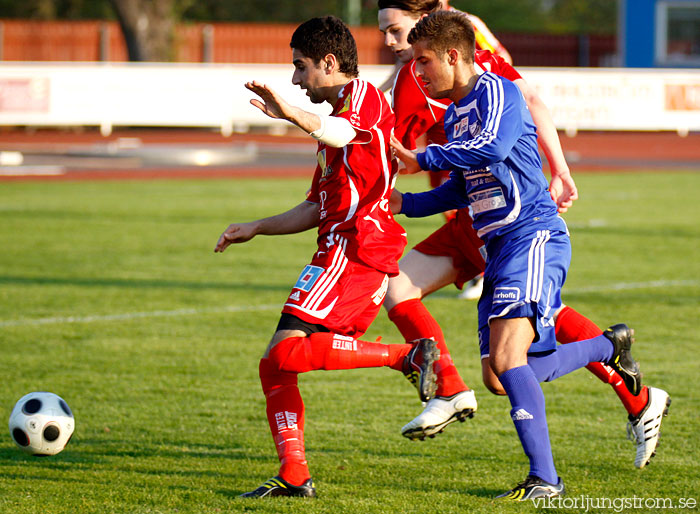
497,172
496,167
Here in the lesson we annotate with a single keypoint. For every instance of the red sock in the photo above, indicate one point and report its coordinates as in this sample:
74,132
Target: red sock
285,414
325,350
415,322
572,326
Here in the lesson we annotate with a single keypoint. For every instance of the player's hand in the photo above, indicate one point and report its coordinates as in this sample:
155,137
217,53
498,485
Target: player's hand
235,233
563,190
407,157
272,104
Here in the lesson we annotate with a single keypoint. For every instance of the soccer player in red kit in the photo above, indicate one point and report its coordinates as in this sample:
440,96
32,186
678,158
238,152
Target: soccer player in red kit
340,292
485,40
452,253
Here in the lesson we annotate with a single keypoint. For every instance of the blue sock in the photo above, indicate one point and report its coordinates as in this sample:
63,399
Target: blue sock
570,357
528,415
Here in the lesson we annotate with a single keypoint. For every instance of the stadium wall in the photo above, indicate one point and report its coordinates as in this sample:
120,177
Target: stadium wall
24,40
213,95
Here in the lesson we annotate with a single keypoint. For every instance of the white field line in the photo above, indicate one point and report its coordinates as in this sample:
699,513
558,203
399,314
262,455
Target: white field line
620,286
127,316
625,286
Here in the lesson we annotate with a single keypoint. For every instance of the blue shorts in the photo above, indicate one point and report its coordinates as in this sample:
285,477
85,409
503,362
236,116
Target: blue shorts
523,279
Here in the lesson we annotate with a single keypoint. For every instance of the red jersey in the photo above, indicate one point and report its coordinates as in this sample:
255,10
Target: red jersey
352,184
417,113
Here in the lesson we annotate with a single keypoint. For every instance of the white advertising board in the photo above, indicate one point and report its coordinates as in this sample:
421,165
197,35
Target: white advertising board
619,99
213,95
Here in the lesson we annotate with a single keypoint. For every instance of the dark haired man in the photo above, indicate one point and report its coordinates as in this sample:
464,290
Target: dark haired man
497,172
340,292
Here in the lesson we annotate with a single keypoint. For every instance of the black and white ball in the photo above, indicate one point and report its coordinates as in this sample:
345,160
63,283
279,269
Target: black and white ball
41,423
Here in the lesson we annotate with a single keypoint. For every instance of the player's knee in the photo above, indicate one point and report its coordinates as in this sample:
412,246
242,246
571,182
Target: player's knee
558,312
498,365
268,373
272,380
401,288
265,368
493,384
495,387
278,351
490,379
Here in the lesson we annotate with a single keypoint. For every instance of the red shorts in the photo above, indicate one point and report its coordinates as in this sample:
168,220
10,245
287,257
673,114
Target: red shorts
342,295
457,239
437,178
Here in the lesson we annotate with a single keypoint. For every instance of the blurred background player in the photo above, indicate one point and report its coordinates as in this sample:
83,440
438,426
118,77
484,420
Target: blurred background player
452,253
340,293
493,151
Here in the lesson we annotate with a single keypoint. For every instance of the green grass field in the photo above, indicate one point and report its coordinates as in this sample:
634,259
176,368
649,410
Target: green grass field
111,296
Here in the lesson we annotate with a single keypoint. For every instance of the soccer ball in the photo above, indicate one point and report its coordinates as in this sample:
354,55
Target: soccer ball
41,423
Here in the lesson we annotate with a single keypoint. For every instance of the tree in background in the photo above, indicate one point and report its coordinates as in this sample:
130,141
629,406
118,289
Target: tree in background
268,11
589,17
56,9
148,25
506,15
545,16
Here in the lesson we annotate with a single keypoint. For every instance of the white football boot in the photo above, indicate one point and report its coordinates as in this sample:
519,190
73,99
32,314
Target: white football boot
644,428
440,412
472,289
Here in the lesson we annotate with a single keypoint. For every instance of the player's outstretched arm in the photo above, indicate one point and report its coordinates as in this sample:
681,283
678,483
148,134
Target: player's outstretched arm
236,233
302,217
562,186
276,107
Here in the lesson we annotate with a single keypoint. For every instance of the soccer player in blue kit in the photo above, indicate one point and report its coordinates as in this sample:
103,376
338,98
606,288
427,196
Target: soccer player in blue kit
497,172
